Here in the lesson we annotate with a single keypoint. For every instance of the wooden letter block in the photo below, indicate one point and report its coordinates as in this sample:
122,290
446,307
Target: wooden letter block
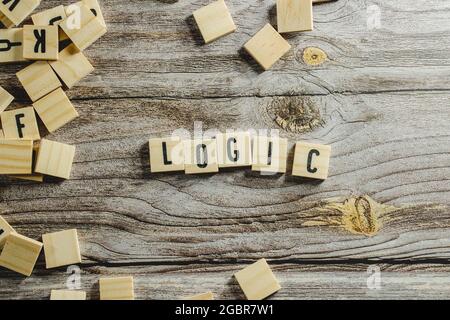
5,21
16,156
311,160
214,21
94,6
55,110
5,99
55,159
11,45
72,66
5,231
269,154
61,248
234,149
17,10
67,295
38,80
257,281
20,124
50,17
35,177
40,42
200,156
116,288
20,254
294,15
267,47
203,296
166,154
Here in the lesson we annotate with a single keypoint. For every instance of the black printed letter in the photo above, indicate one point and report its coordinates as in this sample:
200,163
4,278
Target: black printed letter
13,5
310,156
19,124
167,162
230,152
40,40
201,148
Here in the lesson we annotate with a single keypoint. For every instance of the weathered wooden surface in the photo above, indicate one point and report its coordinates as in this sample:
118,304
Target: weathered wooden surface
383,103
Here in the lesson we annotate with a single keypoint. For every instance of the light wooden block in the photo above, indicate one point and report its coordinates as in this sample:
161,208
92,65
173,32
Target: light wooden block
11,45
55,159
61,248
257,281
214,21
116,288
5,21
270,154
20,124
166,154
200,156
5,231
5,99
67,295
2,136
55,110
202,296
311,160
267,47
17,10
72,66
35,177
16,156
50,17
234,149
94,6
38,80
40,42
20,254
294,15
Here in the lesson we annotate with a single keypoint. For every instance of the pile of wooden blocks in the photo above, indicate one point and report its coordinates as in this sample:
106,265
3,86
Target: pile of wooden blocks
55,42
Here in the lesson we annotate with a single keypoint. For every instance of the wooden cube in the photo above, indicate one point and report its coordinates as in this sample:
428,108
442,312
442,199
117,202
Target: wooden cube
294,15
270,154
5,99
116,288
94,6
267,47
72,66
50,17
55,110
20,254
234,149
38,80
55,159
11,44
200,156
67,295
40,42
61,248
16,156
35,177
202,296
5,21
17,10
166,154
257,281
20,124
214,21
5,231
311,160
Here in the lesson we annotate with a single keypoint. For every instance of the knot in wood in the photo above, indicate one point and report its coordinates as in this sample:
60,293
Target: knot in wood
314,56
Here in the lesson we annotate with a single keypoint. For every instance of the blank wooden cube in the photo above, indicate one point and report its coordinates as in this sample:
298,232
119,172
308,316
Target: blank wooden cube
17,10
311,160
5,99
35,177
61,248
5,231
11,44
257,281
72,66
94,6
38,80
270,154
55,159
116,288
234,149
5,21
166,154
267,47
214,21
20,124
200,156
49,17
20,254
67,295
202,296
16,156
55,110
294,15
40,42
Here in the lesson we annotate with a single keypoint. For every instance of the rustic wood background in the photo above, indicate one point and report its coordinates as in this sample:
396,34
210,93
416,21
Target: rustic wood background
381,100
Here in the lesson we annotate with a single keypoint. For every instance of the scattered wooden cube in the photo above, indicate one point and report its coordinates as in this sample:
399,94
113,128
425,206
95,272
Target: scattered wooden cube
38,80
200,156
311,160
234,149
61,248
294,15
55,110
267,47
11,44
40,42
20,124
35,177
20,254
166,154
257,281
67,295
72,66
5,99
116,288
17,10
55,159
50,17
214,21
94,6
203,296
5,231
16,156
270,154
5,21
